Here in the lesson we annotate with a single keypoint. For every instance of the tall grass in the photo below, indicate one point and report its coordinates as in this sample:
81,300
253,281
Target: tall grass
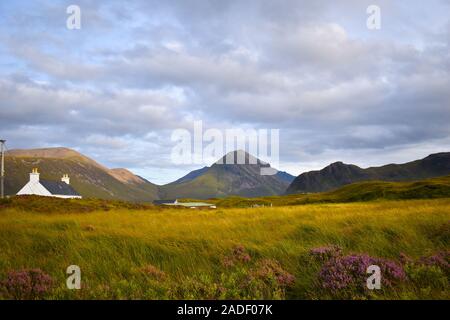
188,246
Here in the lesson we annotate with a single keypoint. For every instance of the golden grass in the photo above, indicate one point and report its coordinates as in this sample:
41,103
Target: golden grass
110,247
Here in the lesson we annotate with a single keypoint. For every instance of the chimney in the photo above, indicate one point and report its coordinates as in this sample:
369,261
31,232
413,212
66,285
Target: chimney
34,175
65,178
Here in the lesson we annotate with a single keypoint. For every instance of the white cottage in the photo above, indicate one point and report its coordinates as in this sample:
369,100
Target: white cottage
58,189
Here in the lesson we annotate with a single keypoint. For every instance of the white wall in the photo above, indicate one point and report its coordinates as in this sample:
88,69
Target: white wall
34,188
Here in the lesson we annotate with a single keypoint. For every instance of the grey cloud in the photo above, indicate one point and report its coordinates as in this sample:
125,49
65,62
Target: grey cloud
309,68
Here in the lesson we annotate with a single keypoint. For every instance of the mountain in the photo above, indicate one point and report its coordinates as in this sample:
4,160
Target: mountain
225,178
339,174
126,176
88,177
287,177
93,180
192,175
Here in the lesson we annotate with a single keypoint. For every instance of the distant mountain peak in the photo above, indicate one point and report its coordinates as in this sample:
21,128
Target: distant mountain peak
240,157
339,174
337,164
236,173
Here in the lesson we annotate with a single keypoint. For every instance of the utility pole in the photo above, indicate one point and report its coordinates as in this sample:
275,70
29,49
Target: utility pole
2,169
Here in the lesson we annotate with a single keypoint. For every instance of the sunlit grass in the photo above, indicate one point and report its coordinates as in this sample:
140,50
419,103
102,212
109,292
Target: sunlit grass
111,246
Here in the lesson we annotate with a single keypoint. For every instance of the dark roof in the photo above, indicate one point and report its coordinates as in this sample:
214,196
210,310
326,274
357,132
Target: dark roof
59,188
164,201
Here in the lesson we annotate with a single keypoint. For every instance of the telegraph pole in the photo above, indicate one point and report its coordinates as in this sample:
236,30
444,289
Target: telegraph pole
2,169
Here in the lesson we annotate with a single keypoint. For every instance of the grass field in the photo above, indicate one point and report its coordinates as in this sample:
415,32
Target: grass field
273,253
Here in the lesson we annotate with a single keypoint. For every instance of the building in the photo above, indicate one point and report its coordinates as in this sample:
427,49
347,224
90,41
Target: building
166,202
196,205
58,189
192,205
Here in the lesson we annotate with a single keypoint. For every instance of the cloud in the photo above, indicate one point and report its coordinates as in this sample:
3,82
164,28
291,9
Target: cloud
135,72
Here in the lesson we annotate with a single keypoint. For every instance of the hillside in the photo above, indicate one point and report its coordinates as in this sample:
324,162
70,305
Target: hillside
339,174
221,180
356,192
88,177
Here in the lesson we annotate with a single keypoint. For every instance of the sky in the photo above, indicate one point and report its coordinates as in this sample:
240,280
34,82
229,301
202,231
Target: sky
117,88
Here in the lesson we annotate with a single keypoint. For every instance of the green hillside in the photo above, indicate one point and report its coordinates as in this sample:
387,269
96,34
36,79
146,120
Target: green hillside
222,180
89,178
361,191
93,180
339,174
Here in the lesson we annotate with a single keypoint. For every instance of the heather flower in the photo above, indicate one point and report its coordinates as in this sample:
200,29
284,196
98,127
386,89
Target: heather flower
440,259
239,254
323,254
348,274
267,269
27,284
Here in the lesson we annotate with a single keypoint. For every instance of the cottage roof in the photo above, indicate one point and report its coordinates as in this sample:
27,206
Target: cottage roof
59,188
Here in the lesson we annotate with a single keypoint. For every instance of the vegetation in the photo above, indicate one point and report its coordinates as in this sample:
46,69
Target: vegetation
339,174
362,191
274,253
57,205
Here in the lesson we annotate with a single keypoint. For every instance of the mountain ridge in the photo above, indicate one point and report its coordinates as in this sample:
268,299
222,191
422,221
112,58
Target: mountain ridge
338,174
221,179
236,173
91,179
88,177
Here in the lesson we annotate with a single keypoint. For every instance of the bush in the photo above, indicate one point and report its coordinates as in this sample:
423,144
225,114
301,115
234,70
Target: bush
27,284
238,255
267,270
243,278
346,277
326,253
440,259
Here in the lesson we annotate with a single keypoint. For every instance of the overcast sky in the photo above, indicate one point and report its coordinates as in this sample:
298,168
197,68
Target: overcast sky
136,70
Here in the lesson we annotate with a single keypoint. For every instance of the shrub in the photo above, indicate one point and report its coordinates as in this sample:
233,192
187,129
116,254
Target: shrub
238,255
346,276
268,269
326,253
426,279
429,275
266,279
441,260
201,287
27,284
